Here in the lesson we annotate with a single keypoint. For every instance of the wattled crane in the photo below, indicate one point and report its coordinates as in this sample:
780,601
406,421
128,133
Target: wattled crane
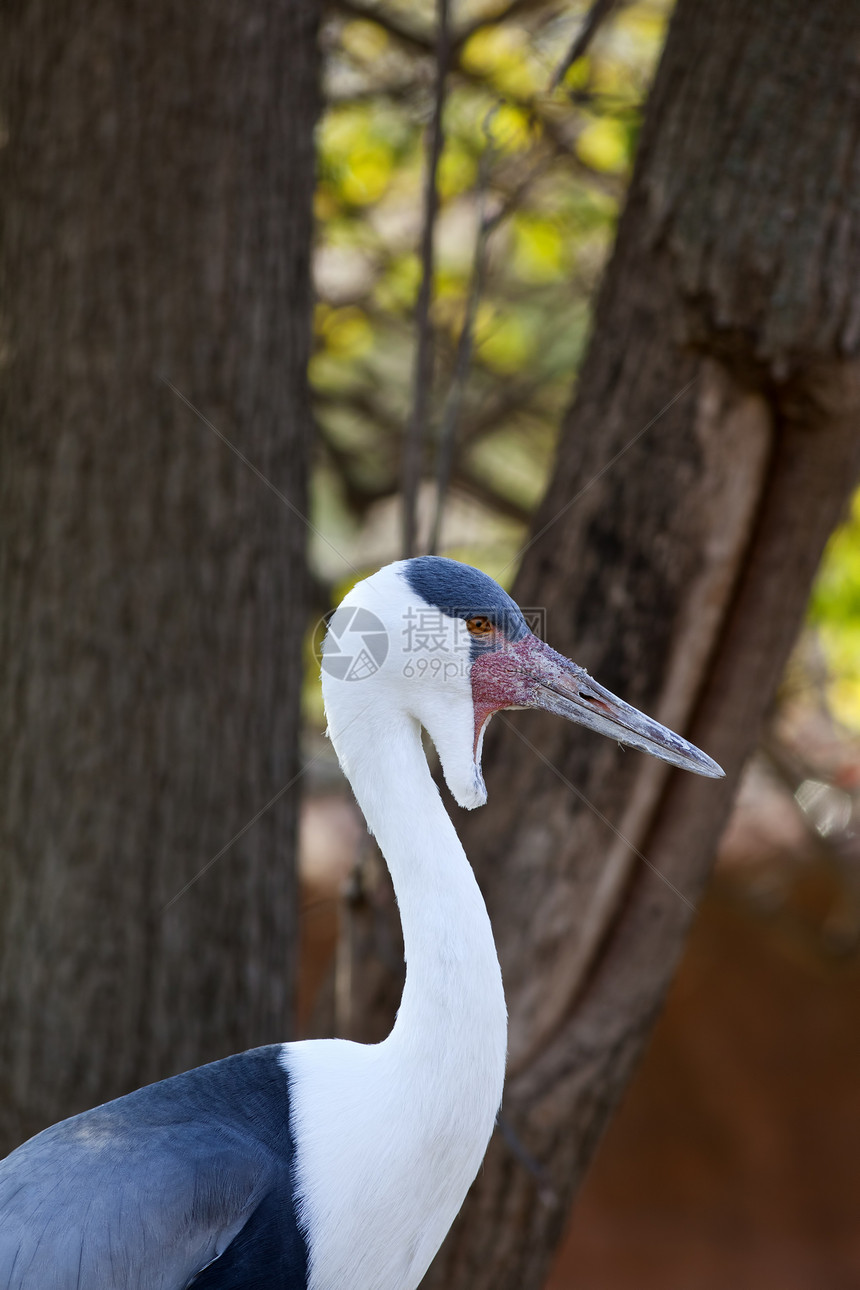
329,1165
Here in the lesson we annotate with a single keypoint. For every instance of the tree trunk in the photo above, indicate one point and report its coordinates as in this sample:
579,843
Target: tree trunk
675,565
157,178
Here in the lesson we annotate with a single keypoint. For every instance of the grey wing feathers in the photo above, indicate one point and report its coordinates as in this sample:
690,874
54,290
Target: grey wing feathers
143,1193
81,1211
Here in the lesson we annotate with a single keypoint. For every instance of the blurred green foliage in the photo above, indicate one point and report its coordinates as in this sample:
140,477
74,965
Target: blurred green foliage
548,170
835,614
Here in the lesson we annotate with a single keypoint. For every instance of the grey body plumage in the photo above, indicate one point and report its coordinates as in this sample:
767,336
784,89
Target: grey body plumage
145,1192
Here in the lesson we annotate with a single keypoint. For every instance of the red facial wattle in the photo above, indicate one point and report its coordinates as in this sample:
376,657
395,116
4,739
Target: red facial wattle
528,674
510,676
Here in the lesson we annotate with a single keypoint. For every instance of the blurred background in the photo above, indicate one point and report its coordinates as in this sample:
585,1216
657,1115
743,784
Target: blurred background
165,742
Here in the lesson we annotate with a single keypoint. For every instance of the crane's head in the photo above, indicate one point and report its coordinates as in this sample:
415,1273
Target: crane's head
445,645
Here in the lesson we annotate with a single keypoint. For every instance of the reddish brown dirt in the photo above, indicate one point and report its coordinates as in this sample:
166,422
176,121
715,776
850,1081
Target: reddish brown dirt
735,1159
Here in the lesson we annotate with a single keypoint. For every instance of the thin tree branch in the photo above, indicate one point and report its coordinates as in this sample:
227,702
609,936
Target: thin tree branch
511,10
413,448
487,224
536,112
421,42
416,35
457,388
599,11
466,483
403,30
359,495
513,396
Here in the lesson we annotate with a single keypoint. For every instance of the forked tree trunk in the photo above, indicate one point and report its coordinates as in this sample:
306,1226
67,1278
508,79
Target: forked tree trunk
157,177
678,575
675,564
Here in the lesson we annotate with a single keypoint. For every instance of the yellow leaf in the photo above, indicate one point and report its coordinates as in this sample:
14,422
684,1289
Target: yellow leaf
504,341
366,174
578,77
399,288
644,24
340,130
539,249
456,171
502,53
364,40
345,332
843,697
509,129
492,46
603,145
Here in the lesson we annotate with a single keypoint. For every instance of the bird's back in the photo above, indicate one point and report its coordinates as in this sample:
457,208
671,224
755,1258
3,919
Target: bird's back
185,1182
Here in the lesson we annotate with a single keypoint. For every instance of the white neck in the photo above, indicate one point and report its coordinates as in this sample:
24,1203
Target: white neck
406,1122
453,1010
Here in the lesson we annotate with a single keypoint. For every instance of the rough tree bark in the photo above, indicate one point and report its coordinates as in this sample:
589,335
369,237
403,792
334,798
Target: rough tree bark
157,173
675,565
679,577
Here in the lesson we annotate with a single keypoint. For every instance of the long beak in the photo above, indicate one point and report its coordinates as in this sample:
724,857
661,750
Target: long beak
559,686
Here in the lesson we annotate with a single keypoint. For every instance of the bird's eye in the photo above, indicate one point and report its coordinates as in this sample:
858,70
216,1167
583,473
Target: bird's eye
479,625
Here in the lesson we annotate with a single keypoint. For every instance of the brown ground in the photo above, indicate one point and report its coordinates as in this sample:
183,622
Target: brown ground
735,1159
